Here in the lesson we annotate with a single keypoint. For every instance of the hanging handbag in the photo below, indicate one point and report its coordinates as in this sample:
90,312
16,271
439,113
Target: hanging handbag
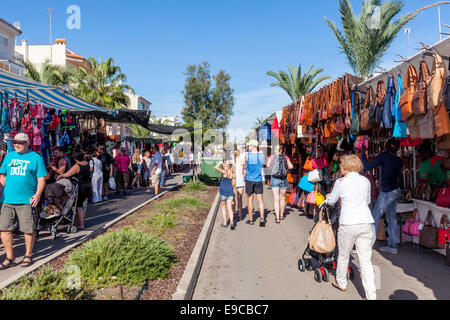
429,234
319,199
439,74
408,94
442,232
413,128
339,126
420,99
311,198
366,123
441,120
446,94
399,126
388,121
304,184
426,125
443,198
315,176
422,191
413,225
322,239
443,143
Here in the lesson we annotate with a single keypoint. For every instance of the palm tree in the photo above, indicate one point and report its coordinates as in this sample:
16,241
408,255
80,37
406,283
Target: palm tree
258,123
102,84
161,121
139,131
366,38
59,76
295,84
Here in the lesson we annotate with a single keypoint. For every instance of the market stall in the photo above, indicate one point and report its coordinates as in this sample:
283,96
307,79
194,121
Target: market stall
409,102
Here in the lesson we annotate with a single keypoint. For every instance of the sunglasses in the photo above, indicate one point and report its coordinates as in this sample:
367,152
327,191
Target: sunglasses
20,142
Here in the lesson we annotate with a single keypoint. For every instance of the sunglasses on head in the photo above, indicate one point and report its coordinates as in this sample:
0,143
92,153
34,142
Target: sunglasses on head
20,142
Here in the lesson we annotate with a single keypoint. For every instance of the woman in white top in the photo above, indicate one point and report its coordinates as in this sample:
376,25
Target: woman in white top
355,224
239,158
96,167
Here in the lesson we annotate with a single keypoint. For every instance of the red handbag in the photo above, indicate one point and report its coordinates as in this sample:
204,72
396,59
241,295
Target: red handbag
443,232
443,198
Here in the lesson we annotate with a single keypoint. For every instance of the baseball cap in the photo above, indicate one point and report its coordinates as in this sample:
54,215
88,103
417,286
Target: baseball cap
22,137
253,143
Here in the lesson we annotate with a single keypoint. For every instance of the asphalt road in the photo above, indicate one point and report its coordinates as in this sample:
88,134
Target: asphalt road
253,263
97,216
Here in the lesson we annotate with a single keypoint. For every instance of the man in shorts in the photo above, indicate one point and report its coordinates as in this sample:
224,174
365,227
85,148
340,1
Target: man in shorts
157,169
22,182
253,164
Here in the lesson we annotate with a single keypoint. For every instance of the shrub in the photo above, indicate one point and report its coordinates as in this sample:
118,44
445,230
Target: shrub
124,256
163,221
195,186
47,285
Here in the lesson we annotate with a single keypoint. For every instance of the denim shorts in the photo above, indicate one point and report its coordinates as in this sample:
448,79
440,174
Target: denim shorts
281,183
225,198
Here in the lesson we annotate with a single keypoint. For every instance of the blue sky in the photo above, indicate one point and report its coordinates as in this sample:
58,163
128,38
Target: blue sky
154,42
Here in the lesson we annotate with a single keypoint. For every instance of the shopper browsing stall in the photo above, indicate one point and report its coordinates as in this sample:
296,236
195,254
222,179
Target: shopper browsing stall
355,224
390,191
279,164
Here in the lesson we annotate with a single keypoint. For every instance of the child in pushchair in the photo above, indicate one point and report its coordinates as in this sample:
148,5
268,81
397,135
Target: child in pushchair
323,263
58,206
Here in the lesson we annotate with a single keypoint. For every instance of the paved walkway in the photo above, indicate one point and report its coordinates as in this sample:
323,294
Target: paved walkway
98,215
253,263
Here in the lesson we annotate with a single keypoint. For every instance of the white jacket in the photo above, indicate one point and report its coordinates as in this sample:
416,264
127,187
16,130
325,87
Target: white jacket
354,192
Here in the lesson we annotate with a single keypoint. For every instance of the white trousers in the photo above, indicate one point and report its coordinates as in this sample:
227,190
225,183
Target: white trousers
361,236
97,185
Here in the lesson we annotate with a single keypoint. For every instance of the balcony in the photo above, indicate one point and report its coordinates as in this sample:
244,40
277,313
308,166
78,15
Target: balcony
12,66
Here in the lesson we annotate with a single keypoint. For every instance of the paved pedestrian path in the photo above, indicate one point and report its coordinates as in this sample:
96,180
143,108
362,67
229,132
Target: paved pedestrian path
253,263
98,215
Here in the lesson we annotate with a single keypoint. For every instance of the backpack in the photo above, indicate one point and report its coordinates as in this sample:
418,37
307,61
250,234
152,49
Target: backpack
278,166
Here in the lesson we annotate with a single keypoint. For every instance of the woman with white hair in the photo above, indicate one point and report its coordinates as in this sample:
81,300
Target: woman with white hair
355,224
279,164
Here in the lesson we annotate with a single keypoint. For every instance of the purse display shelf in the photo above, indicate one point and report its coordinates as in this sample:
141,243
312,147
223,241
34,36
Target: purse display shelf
437,211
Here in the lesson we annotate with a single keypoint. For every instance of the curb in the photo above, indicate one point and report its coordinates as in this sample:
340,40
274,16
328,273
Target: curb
186,286
87,237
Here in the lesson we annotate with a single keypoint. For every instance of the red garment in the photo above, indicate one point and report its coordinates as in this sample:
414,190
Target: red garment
276,128
122,162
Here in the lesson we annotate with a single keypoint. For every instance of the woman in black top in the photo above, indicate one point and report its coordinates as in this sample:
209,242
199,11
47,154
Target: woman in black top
81,171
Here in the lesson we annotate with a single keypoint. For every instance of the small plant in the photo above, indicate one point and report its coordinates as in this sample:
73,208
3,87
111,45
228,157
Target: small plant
163,221
195,186
125,256
47,285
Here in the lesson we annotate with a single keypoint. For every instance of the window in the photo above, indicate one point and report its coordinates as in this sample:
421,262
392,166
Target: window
143,106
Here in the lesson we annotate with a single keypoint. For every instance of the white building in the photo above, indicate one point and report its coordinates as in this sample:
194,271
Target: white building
57,54
138,102
8,34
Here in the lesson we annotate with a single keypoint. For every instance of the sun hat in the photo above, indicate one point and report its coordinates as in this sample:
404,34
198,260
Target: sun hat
253,143
22,137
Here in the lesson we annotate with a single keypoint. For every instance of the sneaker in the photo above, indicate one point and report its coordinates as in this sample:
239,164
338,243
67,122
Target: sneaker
389,250
105,198
233,227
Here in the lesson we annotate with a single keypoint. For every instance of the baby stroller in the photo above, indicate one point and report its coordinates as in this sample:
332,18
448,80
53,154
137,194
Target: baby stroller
323,264
66,217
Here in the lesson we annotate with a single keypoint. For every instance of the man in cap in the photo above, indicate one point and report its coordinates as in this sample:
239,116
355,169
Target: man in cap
22,181
390,191
253,164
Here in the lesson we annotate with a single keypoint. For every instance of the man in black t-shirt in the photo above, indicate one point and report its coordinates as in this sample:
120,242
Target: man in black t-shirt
106,160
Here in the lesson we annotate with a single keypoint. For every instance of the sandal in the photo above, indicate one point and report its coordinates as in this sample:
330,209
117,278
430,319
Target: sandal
11,263
283,217
250,222
262,223
24,263
224,225
277,221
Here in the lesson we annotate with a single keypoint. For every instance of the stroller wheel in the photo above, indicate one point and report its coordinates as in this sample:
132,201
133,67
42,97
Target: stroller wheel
301,265
72,229
325,274
318,275
308,265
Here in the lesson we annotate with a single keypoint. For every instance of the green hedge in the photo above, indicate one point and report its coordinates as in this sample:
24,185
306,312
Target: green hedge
125,256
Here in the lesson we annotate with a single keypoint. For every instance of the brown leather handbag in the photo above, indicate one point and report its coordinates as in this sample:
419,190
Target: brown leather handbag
422,191
438,75
441,120
365,123
339,126
429,234
420,98
338,103
408,94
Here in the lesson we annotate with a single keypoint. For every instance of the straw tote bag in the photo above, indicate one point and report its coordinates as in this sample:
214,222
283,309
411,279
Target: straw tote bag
322,238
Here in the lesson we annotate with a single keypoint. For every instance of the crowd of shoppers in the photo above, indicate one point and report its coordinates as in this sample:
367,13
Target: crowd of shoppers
357,222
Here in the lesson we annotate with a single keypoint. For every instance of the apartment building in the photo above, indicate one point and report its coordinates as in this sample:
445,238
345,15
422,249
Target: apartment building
8,34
